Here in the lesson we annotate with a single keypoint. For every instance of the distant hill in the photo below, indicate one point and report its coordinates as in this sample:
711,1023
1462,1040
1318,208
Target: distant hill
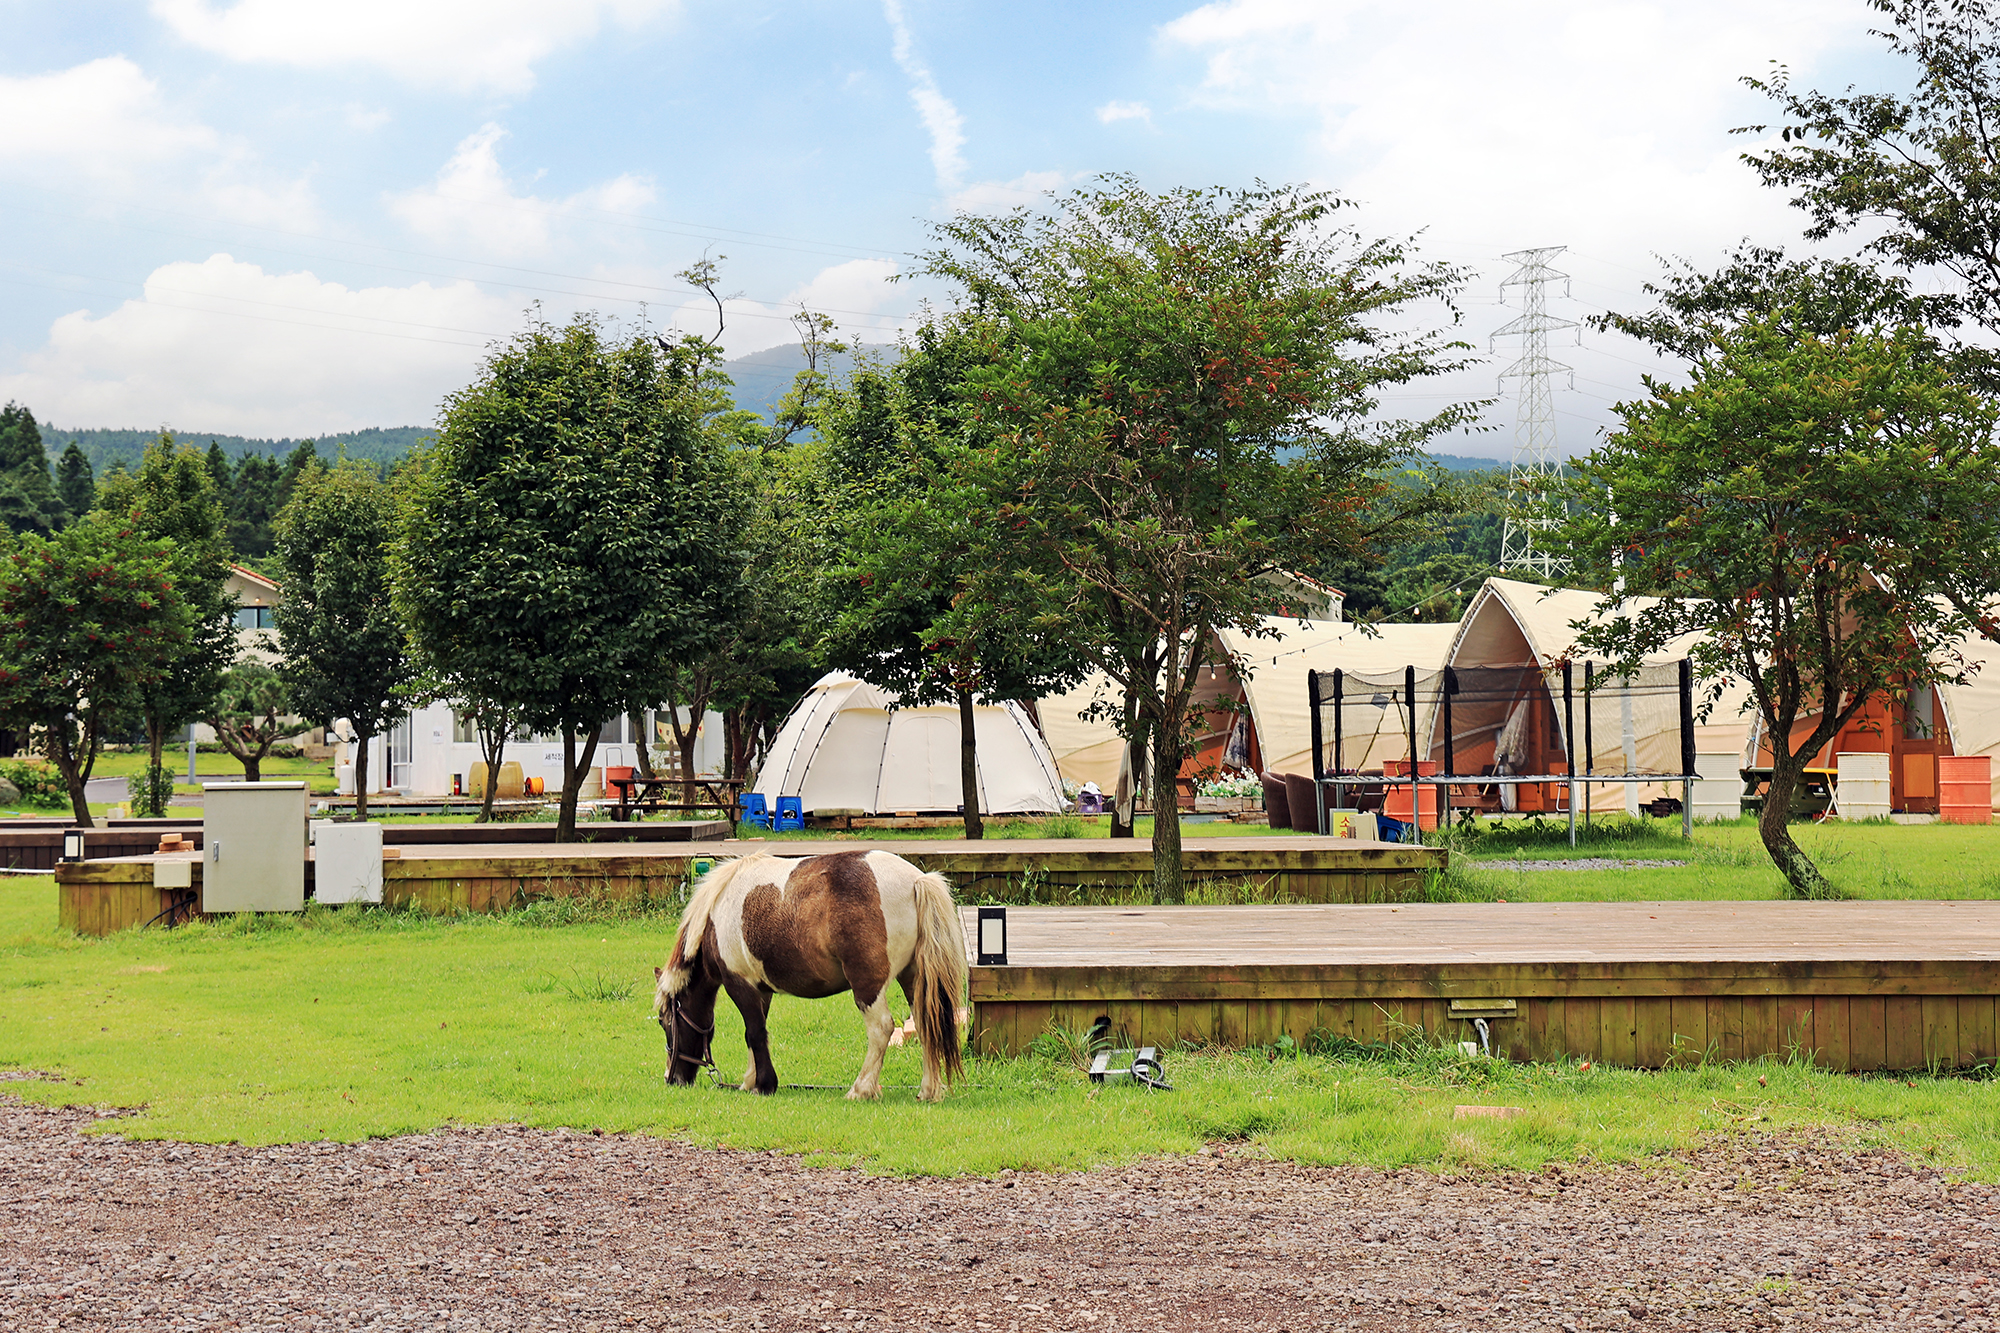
761,378
105,447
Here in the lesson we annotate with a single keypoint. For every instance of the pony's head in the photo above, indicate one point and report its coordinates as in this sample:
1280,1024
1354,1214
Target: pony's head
684,996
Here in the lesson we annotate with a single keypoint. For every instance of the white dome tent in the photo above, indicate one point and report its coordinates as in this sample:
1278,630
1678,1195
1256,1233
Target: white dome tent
850,746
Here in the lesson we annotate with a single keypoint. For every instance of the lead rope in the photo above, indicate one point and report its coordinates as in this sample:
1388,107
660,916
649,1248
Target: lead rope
706,1060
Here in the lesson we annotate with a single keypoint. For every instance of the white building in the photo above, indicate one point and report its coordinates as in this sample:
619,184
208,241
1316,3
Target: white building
432,751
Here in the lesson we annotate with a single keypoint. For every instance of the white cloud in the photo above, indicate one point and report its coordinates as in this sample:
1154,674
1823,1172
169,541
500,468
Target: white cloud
941,119
1024,191
473,202
1113,112
1597,124
855,294
223,345
467,45
101,118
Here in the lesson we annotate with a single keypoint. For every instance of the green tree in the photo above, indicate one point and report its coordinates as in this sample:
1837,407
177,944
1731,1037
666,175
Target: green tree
76,486
28,499
1182,394
341,639
219,470
572,534
248,714
1919,171
92,617
896,593
298,462
172,497
1816,509
253,502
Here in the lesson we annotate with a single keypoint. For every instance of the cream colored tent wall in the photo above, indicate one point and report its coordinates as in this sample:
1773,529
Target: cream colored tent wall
1083,751
847,747
1972,710
1274,677
1510,623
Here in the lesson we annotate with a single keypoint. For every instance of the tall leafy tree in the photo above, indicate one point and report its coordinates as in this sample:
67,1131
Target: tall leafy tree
218,469
1182,393
253,502
1916,172
172,497
76,485
572,535
343,645
1818,509
91,617
28,499
896,593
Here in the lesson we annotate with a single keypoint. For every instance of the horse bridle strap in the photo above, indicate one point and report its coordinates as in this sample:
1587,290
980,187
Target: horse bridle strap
706,1060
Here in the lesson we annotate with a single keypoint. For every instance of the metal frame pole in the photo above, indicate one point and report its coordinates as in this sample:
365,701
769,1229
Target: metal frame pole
1319,757
1687,748
1569,748
1416,792
1339,763
1589,740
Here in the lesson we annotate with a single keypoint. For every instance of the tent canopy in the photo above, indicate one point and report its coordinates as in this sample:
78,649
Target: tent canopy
850,746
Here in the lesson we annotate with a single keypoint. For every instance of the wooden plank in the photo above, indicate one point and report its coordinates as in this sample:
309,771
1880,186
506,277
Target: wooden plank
1903,1032
1617,1031
1976,1030
1653,1041
1725,1027
1791,1028
1940,1031
1867,1032
1583,1018
1691,1037
1233,1028
1198,1023
1833,1031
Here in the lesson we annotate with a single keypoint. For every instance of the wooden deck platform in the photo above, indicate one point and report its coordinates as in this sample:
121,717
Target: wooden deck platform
1856,986
103,896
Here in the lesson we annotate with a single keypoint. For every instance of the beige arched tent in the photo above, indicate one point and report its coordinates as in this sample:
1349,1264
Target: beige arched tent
850,746
1525,625
1268,671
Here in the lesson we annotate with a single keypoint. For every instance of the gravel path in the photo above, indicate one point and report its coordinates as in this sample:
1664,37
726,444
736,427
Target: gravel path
514,1229
1584,863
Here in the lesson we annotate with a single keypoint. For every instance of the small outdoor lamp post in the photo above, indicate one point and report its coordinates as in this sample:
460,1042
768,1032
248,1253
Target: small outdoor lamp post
72,848
992,937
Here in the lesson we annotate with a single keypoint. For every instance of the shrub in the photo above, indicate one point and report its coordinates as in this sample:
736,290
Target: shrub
38,780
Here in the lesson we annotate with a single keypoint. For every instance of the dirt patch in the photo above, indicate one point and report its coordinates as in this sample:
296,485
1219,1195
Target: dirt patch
516,1229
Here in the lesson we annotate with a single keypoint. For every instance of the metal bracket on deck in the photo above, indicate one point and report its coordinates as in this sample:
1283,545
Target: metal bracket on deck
1140,1066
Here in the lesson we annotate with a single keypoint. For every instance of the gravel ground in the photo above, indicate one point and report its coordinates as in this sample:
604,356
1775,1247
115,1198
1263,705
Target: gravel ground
514,1229
1585,863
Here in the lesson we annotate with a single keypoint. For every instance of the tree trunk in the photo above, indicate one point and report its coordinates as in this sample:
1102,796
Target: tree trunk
253,765
642,746
157,787
1169,884
968,767
61,750
493,750
360,774
574,767
1774,827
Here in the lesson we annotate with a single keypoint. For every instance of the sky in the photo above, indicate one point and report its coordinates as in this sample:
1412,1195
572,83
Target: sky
291,218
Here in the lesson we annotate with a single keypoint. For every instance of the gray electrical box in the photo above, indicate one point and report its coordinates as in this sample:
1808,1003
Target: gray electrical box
347,862
253,855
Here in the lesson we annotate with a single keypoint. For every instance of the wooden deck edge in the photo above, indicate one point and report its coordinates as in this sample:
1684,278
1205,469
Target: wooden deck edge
1450,981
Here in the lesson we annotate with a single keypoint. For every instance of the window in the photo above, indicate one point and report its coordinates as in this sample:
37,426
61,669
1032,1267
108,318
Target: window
254,617
1920,717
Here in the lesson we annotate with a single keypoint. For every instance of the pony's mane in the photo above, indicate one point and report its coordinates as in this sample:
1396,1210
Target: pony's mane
694,924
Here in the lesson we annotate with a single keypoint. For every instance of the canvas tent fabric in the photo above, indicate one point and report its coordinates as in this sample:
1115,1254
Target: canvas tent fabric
850,746
1271,674
1513,624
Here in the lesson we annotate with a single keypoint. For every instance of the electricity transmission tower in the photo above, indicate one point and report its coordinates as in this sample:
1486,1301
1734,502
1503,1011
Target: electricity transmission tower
1535,464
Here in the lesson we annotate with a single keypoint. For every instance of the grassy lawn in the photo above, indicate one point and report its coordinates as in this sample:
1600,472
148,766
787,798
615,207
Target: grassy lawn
1726,861
350,1023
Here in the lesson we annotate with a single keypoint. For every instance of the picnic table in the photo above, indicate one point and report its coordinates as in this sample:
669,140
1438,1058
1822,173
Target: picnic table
640,793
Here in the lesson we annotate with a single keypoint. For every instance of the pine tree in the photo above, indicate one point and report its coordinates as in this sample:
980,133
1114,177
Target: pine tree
76,486
28,500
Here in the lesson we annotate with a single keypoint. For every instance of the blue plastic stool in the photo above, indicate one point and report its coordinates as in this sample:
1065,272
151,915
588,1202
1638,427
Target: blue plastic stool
791,815
1395,830
751,810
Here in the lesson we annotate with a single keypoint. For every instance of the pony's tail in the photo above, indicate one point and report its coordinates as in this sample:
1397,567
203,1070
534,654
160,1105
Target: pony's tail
940,965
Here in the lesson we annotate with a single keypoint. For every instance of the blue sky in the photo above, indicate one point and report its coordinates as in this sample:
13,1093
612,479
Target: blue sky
285,217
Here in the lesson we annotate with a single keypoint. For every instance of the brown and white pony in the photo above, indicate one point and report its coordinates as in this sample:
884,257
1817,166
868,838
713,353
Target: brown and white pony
816,926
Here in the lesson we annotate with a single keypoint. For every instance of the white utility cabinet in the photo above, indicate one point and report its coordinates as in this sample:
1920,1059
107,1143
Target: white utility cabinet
347,862
253,855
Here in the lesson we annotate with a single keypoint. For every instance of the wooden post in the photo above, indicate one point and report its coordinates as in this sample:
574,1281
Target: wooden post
1339,764
1589,741
1447,687
1416,792
1319,759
